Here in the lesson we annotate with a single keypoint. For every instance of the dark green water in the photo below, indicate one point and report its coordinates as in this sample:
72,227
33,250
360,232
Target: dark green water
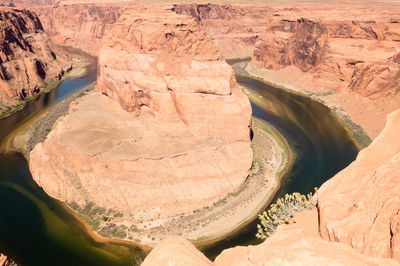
320,142
36,229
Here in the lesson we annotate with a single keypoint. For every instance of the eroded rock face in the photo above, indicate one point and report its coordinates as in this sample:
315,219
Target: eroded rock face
234,29
312,45
28,58
79,25
172,135
360,205
349,52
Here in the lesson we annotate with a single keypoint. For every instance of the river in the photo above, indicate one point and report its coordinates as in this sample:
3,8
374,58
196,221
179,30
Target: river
38,230
321,145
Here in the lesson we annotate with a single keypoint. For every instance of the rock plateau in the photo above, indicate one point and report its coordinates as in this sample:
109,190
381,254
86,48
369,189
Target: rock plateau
171,136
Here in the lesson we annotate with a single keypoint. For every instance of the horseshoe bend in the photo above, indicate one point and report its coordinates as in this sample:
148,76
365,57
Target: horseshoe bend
158,133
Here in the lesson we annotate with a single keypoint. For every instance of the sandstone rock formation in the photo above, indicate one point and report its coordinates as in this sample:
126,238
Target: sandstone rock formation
360,205
358,208
79,25
233,28
294,244
177,251
183,141
350,51
28,58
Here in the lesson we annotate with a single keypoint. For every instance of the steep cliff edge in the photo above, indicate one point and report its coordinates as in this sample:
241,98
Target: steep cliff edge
172,135
234,29
28,59
357,218
293,244
360,205
347,54
79,25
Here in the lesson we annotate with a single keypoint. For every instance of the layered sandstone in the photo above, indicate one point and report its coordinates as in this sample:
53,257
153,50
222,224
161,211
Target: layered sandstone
172,135
344,50
28,59
79,25
360,205
234,29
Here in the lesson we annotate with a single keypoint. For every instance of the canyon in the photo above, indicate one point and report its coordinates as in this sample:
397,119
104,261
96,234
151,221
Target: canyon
350,55
167,123
28,59
355,222
167,119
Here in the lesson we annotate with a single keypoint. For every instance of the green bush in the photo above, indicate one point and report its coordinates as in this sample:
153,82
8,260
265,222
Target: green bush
282,212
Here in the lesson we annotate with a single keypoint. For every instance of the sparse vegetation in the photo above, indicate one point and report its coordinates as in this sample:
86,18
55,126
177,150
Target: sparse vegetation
282,212
357,133
113,230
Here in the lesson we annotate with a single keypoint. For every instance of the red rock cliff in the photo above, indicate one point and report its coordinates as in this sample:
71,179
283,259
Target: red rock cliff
360,205
234,29
79,25
27,57
348,51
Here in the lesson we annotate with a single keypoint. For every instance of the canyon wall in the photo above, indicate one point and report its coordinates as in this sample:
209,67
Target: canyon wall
360,205
79,25
234,29
171,136
350,52
28,59
356,221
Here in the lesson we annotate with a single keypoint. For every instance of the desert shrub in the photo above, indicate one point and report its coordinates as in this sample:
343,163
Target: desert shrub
113,230
282,212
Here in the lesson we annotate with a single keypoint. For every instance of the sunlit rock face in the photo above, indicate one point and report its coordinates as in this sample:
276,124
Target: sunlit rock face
166,133
28,59
360,205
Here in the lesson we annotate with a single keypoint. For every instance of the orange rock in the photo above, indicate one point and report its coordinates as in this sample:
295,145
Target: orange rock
351,51
234,29
360,205
293,244
28,58
79,25
184,142
177,251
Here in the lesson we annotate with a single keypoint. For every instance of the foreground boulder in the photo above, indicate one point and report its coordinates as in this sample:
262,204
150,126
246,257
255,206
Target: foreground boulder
295,244
28,59
171,136
177,251
360,205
